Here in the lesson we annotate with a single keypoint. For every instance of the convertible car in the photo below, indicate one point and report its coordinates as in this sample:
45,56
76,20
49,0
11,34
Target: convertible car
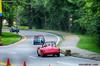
48,49
38,40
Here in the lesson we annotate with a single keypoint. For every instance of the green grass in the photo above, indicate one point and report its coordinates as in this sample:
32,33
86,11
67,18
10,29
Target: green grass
88,43
23,27
20,27
9,38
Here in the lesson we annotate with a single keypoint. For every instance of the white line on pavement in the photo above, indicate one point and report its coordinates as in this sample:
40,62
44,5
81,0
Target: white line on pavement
32,56
57,37
68,64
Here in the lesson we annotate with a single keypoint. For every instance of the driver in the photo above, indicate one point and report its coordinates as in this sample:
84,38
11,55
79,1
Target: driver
44,45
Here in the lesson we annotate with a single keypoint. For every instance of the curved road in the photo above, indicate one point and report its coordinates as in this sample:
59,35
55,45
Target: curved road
26,51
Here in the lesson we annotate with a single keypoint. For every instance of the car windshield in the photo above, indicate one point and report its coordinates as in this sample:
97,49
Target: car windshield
50,44
41,38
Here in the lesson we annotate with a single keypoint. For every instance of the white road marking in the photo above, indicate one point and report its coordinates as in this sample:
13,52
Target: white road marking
32,56
57,38
66,63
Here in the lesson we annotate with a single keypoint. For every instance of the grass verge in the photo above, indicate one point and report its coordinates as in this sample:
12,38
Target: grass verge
9,38
23,27
88,43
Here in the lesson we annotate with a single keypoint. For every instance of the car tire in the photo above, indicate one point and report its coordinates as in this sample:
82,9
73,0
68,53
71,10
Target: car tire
42,55
38,53
17,32
34,43
58,55
53,55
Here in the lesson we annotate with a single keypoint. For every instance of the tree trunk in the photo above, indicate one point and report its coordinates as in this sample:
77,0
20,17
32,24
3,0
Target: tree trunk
30,25
45,24
30,13
98,32
10,23
70,22
0,26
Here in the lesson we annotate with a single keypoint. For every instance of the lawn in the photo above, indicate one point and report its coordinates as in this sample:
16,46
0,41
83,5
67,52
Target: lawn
23,27
9,38
88,43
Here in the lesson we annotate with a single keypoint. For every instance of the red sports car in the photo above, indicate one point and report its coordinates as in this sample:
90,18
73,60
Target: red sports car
48,49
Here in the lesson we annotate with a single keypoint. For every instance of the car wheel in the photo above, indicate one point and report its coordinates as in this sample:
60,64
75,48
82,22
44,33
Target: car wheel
34,43
38,53
17,32
58,55
42,55
53,55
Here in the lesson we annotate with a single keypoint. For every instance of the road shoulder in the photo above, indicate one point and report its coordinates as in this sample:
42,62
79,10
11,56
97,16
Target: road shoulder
70,41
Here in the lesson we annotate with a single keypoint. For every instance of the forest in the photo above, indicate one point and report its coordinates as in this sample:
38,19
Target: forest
81,16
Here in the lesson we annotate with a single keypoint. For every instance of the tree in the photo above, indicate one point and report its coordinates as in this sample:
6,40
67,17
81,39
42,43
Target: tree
8,9
89,20
0,26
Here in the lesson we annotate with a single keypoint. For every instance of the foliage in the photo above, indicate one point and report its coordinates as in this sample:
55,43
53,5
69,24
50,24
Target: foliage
8,13
68,15
47,14
90,20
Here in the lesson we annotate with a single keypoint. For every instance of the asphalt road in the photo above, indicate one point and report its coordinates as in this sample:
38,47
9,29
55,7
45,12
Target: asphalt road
26,51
